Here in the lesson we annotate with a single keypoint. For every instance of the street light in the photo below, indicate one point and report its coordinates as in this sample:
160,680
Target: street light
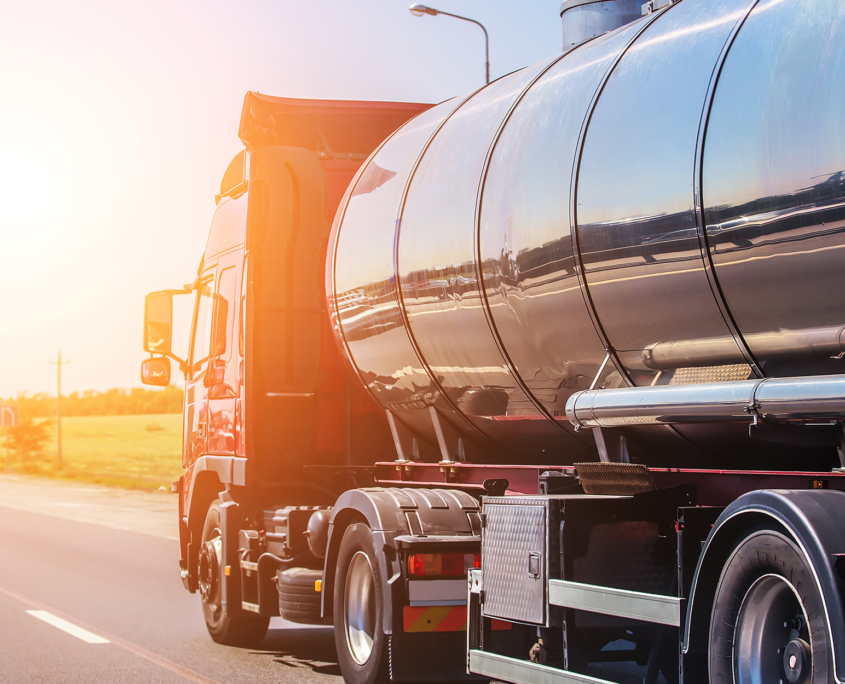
421,10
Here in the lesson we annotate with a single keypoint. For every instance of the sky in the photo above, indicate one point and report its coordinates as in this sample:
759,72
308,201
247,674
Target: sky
117,120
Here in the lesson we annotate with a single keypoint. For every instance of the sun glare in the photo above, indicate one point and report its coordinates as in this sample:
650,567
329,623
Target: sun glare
28,191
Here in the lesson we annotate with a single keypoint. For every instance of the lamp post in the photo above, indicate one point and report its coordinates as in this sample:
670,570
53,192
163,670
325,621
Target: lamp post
421,10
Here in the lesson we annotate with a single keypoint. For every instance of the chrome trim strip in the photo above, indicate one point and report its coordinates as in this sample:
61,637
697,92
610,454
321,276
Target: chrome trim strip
334,239
446,397
573,194
476,248
698,202
523,671
663,610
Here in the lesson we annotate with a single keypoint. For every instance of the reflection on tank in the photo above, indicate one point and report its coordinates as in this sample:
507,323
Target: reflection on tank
372,309
711,233
820,206
369,310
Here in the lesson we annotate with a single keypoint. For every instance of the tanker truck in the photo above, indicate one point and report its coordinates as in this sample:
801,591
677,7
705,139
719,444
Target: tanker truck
540,379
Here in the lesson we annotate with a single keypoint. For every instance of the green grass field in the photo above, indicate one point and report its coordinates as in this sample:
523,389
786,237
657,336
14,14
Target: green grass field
133,452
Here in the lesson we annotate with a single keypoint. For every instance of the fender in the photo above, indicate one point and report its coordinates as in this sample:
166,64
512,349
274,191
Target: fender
815,520
391,512
203,481
222,469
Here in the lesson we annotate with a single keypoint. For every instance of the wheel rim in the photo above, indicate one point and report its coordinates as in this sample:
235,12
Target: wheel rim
360,608
210,562
771,639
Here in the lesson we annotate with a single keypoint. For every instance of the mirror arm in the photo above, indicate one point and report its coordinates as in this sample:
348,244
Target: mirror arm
183,364
187,288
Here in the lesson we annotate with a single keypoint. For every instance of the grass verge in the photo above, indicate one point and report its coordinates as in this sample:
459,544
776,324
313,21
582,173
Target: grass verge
132,452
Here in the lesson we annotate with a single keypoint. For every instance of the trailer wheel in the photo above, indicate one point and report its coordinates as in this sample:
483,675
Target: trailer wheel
243,629
358,609
767,622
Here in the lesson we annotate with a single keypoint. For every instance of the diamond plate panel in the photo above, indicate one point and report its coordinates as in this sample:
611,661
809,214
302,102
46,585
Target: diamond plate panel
514,532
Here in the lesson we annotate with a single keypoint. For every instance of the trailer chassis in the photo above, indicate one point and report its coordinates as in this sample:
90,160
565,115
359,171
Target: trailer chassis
549,580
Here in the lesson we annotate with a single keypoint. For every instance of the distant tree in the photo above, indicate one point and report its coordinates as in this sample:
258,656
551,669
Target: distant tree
112,402
29,437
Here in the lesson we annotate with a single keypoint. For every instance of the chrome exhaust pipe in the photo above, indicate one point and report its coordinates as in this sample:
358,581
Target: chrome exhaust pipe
774,400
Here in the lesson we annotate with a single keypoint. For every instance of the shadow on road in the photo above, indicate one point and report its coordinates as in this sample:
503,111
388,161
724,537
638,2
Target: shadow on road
311,648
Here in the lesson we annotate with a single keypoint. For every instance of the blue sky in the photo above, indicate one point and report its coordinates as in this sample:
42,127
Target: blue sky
117,121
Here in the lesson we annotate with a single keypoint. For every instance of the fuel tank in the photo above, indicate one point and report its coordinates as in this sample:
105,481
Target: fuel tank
661,205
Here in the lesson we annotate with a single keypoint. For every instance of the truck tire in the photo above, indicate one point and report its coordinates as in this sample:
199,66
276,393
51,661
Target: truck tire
299,600
767,622
242,629
358,608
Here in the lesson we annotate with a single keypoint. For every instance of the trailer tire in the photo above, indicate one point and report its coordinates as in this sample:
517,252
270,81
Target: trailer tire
241,629
362,645
299,600
768,619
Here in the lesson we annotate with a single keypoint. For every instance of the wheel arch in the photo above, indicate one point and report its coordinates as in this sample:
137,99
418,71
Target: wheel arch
389,513
814,520
205,488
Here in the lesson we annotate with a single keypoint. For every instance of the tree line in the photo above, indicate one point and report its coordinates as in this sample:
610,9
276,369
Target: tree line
113,402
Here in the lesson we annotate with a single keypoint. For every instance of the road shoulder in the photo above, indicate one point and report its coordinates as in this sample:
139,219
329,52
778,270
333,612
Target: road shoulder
152,513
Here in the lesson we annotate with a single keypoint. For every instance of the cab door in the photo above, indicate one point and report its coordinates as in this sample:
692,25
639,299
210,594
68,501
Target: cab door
196,394
223,363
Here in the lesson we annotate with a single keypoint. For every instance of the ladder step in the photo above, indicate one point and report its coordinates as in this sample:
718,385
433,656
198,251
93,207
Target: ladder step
251,607
619,479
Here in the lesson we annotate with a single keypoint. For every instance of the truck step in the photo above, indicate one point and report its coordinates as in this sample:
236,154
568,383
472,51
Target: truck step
524,672
251,607
249,566
614,479
663,610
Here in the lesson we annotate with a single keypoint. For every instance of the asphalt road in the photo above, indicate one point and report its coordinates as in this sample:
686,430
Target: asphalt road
102,563
122,586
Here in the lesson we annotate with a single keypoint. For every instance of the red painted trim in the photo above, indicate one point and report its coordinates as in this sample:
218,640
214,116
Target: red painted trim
714,487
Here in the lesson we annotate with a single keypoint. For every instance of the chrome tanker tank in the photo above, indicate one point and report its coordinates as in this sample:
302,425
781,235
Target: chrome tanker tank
662,205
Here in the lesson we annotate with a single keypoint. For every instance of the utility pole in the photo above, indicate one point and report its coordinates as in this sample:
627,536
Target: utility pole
59,363
8,419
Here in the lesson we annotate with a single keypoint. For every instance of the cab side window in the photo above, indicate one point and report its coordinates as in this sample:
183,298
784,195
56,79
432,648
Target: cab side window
228,227
224,313
202,328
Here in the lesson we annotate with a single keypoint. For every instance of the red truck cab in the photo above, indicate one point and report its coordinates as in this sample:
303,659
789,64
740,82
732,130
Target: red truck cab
268,399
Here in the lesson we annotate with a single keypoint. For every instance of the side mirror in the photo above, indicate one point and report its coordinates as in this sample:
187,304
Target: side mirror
158,323
215,373
156,371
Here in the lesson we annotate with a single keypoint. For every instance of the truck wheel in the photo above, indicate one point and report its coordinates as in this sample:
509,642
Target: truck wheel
767,622
244,629
299,600
358,609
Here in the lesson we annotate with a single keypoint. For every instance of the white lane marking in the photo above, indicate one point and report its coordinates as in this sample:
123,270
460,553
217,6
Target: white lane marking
69,627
